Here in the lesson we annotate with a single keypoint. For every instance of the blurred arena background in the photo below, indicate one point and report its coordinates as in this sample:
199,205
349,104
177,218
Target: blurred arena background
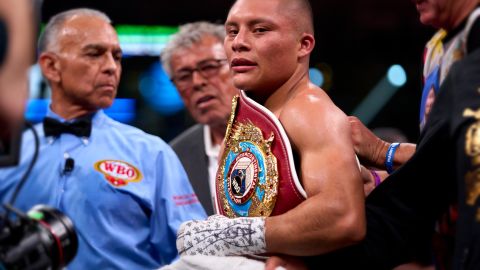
358,43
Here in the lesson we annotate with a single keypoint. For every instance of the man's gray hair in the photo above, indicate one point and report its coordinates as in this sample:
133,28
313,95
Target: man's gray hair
187,36
48,39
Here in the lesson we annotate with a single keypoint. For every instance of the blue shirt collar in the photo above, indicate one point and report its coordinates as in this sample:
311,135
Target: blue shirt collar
97,118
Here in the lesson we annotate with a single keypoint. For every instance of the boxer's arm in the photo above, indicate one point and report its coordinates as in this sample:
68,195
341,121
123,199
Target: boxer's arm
333,216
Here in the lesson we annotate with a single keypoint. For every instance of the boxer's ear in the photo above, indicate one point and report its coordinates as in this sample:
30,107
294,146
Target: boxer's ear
307,43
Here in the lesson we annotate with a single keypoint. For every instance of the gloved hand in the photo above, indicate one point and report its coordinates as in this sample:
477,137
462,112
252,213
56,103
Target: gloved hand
222,236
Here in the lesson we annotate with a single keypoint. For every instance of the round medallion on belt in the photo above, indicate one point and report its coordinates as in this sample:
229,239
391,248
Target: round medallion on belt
242,177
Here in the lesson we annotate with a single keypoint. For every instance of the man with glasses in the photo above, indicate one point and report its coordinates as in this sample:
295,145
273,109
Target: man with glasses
196,62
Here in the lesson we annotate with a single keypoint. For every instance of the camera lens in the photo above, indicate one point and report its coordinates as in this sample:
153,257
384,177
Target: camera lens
61,229
47,241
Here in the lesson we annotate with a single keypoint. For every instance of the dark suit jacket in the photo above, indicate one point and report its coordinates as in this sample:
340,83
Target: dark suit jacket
190,148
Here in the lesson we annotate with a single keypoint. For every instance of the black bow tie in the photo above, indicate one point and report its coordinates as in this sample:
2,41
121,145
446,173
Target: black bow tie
81,127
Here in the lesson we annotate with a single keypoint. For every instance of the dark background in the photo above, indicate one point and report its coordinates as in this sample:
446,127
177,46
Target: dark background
358,40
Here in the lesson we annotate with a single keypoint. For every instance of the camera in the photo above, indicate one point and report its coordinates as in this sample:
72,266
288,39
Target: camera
44,238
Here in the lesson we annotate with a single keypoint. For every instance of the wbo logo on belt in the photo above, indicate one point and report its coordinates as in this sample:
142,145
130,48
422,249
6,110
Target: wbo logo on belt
243,175
118,173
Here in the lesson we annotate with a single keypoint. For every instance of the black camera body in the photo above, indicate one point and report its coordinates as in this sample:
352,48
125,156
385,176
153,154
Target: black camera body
43,239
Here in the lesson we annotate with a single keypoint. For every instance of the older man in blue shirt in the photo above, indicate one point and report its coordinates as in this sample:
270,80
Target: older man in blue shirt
125,190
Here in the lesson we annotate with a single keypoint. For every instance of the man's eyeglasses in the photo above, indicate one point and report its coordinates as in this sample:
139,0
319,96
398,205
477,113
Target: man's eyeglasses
207,68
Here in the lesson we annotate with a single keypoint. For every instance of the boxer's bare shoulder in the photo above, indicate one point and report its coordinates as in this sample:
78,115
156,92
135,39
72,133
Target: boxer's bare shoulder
319,133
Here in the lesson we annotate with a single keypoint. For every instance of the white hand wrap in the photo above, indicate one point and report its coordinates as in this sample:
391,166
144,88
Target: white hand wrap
222,236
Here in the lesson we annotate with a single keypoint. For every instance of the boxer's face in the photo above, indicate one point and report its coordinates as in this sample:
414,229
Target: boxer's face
261,44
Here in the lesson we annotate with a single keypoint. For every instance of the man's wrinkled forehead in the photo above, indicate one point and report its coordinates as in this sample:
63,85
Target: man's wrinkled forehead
87,30
218,50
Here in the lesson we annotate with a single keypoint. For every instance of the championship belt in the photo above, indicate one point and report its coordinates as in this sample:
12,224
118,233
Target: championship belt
257,175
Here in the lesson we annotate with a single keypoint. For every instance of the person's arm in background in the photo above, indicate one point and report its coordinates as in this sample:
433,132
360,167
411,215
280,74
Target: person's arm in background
18,18
372,151
371,178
